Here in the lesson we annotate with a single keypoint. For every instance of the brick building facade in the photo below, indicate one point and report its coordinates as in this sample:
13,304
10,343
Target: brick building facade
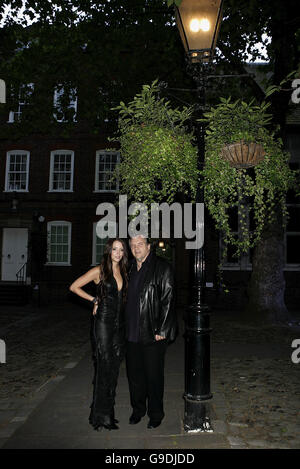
50,188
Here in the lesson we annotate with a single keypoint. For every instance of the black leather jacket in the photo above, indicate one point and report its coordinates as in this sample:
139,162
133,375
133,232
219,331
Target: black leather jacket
157,312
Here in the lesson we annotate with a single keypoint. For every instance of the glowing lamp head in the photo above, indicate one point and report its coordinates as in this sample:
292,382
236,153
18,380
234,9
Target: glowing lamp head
196,25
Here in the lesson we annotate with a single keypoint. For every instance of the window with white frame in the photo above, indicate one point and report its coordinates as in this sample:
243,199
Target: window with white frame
99,243
65,103
59,242
106,162
61,171
22,99
17,171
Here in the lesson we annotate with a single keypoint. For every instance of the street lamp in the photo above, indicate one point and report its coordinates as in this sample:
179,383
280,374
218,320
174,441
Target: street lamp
198,22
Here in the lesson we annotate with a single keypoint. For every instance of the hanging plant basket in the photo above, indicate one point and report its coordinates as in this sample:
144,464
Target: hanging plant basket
256,197
243,155
159,157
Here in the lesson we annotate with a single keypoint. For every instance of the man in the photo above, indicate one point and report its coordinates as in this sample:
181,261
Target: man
151,323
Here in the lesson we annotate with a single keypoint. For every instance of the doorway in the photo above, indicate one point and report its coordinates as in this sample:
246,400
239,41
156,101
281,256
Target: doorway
14,252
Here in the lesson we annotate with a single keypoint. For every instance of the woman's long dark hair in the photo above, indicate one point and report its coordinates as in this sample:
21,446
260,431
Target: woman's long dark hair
106,270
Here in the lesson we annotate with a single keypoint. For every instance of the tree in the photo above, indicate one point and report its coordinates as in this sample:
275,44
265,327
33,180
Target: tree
99,47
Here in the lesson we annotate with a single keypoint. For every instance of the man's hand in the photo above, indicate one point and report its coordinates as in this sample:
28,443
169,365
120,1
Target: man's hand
159,337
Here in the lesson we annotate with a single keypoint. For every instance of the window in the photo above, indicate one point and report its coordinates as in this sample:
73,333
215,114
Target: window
98,246
100,243
59,242
244,262
292,233
291,236
61,171
17,171
65,103
21,98
106,162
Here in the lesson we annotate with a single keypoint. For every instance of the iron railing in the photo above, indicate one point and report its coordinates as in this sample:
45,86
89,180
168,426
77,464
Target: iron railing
21,274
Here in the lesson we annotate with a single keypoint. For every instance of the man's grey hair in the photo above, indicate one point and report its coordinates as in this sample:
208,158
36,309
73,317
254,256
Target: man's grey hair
140,236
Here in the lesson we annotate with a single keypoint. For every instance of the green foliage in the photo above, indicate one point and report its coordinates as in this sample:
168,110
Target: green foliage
231,122
158,155
174,2
257,192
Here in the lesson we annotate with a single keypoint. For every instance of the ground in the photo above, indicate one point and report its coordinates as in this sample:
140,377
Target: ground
254,380
38,343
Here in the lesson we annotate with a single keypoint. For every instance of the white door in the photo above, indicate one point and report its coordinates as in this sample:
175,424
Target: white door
14,251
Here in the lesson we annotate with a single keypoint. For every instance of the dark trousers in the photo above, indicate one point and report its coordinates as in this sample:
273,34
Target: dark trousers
145,372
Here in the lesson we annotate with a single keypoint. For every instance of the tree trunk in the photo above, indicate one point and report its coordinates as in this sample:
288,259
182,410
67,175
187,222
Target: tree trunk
267,284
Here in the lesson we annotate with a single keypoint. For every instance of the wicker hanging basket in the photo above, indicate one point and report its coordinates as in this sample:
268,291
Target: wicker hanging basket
243,155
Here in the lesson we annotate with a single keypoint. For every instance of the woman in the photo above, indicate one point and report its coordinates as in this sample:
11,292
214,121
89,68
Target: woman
109,328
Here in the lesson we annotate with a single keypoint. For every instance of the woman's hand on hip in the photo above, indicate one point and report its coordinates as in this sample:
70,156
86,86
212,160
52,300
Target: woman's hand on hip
159,337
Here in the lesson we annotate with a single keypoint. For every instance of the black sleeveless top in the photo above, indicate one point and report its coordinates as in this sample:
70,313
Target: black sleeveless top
111,308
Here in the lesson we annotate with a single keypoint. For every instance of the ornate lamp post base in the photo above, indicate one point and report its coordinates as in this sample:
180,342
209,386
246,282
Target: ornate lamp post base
197,417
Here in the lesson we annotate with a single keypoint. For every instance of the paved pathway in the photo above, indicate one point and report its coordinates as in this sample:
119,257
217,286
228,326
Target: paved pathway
255,403
60,419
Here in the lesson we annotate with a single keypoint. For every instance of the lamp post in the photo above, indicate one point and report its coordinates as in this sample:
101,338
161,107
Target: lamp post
198,22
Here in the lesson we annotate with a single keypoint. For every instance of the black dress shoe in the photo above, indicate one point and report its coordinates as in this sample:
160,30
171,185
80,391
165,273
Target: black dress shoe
108,426
154,423
134,419
111,426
